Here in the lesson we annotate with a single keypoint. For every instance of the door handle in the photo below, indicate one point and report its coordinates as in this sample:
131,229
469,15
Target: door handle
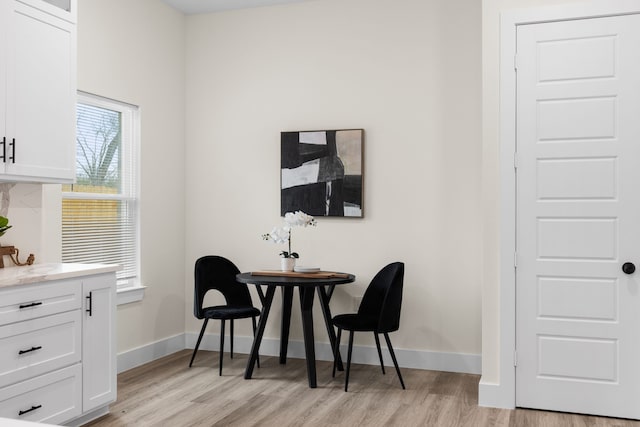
628,268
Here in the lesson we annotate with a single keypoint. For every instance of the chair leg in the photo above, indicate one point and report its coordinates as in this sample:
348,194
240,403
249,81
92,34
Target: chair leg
393,356
336,352
253,320
195,350
346,377
231,339
375,334
221,343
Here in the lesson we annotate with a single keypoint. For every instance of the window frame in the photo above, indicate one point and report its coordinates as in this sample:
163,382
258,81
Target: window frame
128,290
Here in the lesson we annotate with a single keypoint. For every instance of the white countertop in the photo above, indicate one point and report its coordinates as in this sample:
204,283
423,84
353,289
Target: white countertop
12,276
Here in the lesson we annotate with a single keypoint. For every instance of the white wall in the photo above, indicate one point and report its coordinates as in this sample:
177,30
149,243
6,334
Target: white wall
133,51
408,73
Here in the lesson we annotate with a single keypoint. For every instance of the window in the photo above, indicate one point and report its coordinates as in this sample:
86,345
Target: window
100,211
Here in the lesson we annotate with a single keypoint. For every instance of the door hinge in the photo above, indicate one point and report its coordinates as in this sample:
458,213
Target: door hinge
515,358
515,62
515,260
515,160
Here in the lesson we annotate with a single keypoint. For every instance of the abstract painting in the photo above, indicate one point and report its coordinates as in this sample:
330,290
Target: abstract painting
321,172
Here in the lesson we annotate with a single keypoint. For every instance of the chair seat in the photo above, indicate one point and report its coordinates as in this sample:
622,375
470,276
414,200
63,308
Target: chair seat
230,312
356,322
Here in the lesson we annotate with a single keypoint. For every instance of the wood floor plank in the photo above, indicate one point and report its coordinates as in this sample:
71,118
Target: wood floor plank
166,392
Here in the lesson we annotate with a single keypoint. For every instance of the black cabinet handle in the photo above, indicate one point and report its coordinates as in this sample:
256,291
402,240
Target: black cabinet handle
90,309
4,149
33,304
30,350
13,151
33,408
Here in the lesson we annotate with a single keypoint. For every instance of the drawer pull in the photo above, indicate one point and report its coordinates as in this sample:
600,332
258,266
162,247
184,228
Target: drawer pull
30,350
33,408
33,304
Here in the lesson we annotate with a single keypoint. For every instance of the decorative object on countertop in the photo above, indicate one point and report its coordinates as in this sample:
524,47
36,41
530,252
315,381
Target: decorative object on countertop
321,172
283,234
4,225
11,250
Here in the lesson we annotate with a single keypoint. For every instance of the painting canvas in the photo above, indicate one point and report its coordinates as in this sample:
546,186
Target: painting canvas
321,172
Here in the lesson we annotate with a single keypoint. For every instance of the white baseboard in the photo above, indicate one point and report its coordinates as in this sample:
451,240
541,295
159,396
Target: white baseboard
150,352
418,359
493,395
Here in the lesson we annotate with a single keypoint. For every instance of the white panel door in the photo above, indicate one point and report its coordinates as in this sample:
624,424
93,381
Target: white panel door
578,216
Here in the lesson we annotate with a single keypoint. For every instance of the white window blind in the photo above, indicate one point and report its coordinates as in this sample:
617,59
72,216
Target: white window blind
100,211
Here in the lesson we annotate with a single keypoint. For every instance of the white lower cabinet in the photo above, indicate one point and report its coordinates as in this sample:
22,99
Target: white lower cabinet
53,398
57,349
98,343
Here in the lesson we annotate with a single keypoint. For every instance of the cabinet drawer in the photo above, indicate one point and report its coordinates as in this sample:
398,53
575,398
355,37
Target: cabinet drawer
56,397
37,346
26,302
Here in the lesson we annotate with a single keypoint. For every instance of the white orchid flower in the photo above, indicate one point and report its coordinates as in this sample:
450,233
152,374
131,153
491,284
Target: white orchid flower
291,219
299,218
279,235
283,234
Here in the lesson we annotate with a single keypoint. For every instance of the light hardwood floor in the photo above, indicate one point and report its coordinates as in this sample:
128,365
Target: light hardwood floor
167,392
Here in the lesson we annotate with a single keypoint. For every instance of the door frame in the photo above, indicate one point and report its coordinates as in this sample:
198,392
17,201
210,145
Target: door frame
503,394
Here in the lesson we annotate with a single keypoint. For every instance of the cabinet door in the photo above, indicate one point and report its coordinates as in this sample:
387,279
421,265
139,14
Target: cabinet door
98,341
41,96
4,35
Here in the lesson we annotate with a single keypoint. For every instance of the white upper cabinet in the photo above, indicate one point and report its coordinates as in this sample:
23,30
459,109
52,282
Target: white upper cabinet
38,94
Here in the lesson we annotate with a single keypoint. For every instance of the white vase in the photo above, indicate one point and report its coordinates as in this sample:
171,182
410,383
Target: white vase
287,264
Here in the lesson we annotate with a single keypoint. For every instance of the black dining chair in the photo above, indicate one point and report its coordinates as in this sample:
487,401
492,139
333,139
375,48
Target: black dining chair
219,274
379,312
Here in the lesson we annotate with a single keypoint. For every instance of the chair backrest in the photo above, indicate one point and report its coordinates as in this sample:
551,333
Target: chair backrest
216,272
383,297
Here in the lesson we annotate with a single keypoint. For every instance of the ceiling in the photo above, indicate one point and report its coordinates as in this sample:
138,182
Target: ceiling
191,7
